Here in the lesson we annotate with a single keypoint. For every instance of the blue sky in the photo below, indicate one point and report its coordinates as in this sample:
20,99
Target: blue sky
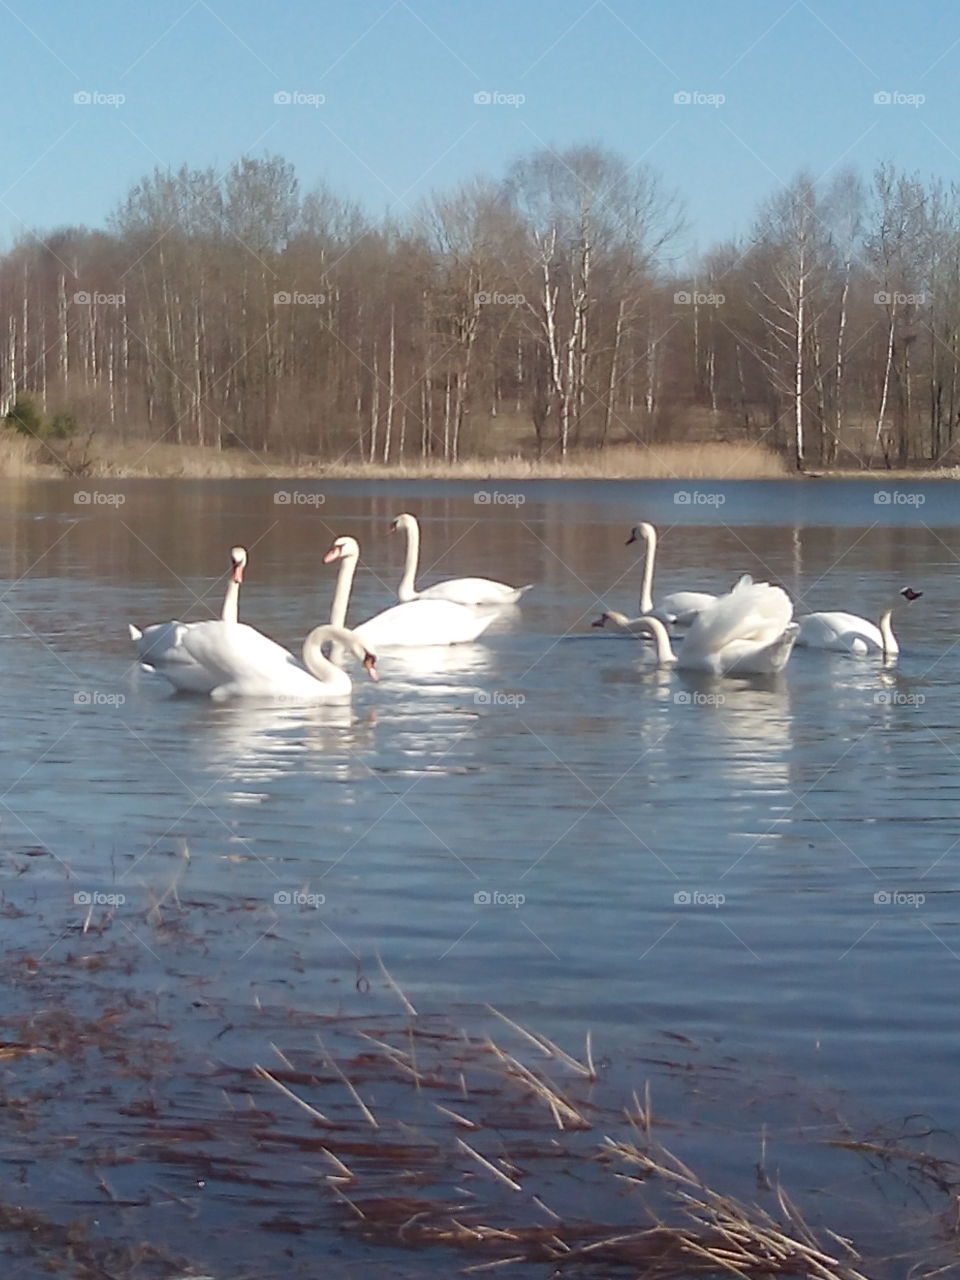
399,79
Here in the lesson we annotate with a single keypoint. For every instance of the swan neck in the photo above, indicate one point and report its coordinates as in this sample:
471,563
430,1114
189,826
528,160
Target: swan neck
231,601
646,585
655,628
407,590
890,645
341,595
315,660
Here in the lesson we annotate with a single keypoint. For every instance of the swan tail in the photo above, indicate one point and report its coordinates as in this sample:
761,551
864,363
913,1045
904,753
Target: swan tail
135,632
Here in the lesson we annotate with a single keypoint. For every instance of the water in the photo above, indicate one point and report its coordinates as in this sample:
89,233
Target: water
542,820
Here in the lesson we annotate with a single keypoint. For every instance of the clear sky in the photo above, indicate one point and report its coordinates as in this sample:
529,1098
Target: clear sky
399,78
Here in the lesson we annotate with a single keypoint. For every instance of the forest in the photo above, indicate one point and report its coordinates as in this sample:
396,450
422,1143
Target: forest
542,313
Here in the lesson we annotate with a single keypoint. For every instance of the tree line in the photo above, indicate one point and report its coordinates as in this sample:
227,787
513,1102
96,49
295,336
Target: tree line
542,312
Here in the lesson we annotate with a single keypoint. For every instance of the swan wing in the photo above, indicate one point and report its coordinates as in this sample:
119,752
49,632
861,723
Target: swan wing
843,632
681,607
752,611
423,622
473,591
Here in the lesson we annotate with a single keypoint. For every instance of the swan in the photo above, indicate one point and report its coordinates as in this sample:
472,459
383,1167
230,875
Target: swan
749,631
680,607
847,633
160,647
244,663
459,590
415,623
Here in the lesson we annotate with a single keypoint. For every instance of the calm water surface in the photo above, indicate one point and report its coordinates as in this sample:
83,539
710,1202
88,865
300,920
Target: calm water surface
767,865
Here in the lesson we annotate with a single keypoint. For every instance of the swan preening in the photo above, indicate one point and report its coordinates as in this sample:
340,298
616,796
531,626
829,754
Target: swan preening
847,633
749,631
246,664
466,591
415,623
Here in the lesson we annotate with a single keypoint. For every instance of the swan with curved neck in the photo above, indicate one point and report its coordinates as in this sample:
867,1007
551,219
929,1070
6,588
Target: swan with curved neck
415,623
160,647
680,607
842,632
244,663
468,591
749,631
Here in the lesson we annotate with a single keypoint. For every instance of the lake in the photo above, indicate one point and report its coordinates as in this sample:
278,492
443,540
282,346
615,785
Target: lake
541,821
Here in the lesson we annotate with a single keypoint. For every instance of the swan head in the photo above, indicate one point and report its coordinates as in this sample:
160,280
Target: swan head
238,562
642,532
908,594
618,619
404,522
370,666
342,549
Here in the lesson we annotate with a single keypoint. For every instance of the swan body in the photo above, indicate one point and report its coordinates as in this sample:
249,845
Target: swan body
244,663
680,607
843,632
413,624
749,631
464,591
161,649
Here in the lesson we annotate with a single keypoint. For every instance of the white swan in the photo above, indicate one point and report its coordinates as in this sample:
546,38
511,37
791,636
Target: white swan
460,590
160,647
246,664
415,623
747,631
680,607
847,633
